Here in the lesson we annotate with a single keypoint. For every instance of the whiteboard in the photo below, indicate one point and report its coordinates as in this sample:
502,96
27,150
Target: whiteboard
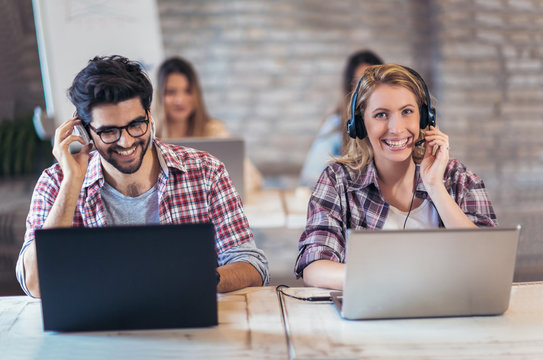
71,32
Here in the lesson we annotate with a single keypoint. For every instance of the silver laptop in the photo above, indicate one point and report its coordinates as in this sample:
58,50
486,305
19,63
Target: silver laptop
428,273
231,151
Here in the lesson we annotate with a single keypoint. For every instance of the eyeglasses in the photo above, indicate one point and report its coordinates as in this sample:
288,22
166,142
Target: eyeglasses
111,134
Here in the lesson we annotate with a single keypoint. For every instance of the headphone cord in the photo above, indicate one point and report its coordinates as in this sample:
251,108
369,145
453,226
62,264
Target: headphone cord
279,289
412,197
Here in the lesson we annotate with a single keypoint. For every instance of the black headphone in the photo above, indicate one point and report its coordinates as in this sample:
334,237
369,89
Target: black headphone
355,124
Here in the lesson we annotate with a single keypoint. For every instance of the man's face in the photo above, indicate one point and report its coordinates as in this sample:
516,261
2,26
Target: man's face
126,154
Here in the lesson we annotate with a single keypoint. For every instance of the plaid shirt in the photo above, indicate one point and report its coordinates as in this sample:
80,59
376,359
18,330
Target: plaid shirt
193,187
344,198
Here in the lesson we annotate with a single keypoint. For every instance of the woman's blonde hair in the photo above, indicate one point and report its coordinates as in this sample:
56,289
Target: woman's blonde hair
199,118
358,152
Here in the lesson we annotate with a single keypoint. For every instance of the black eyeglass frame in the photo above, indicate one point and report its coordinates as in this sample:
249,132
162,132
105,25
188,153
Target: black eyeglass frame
120,129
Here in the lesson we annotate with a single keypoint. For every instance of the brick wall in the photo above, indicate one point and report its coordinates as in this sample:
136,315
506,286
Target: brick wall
490,76
272,69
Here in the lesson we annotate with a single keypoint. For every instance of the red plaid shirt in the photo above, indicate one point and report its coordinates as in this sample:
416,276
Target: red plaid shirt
347,199
192,187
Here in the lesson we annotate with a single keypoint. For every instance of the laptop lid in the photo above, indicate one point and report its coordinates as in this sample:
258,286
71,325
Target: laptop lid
428,273
230,151
127,277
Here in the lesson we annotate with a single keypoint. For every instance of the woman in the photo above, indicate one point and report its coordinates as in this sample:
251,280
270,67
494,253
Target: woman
331,136
182,113
180,103
377,185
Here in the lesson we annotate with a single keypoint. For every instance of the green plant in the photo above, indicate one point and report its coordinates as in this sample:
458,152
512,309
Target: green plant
21,151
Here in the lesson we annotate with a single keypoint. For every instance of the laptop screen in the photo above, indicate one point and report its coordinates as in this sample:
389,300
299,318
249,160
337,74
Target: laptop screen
127,277
230,151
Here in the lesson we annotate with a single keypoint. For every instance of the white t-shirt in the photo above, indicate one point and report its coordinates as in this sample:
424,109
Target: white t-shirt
423,217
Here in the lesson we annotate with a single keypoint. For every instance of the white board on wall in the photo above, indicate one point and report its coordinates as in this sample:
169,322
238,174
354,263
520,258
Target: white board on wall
71,32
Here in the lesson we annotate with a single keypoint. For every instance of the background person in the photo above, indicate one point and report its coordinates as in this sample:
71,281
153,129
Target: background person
331,136
182,112
376,184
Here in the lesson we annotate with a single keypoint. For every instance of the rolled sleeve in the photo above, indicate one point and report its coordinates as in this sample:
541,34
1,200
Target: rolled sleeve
43,198
470,194
324,235
249,253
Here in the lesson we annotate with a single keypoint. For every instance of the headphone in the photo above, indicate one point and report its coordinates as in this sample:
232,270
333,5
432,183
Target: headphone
355,124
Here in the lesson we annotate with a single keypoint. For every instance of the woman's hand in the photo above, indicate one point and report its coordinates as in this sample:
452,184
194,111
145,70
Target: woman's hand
74,166
434,163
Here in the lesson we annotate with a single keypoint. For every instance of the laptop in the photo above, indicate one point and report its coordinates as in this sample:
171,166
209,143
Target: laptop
230,151
127,277
428,273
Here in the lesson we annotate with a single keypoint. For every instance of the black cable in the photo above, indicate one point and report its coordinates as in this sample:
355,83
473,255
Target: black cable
278,288
412,197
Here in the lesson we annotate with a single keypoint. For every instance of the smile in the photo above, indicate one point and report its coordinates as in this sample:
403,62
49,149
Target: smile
126,152
396,144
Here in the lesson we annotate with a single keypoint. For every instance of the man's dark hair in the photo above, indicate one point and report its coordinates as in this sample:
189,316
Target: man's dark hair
109,80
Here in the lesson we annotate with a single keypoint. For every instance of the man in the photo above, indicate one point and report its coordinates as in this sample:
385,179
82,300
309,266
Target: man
131,171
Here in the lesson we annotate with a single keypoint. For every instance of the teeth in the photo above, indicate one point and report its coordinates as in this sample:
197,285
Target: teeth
126,152
396,143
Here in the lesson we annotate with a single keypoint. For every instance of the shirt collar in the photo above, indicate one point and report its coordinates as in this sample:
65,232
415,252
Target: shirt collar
369,177
168,158
94,171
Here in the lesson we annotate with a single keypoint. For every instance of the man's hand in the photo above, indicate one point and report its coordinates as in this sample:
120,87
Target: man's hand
74,166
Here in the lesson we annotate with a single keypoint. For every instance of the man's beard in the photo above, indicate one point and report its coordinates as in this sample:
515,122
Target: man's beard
109,156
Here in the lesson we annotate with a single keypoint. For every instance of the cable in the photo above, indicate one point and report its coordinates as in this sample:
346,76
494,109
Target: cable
286,327
410,207
412,197
278,289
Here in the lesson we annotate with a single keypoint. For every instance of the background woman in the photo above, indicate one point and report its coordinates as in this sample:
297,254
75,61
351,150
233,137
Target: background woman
377,185
331,135
181,111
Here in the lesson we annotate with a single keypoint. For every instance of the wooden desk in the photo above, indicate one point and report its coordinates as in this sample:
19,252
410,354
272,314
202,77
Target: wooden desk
316,331
250,326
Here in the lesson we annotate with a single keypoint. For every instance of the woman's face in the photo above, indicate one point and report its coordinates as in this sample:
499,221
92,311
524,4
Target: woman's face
179,101
392,120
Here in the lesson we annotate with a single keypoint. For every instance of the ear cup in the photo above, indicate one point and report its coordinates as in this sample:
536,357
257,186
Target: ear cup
355,125
432,116
360,128
424,116
427,111
351,127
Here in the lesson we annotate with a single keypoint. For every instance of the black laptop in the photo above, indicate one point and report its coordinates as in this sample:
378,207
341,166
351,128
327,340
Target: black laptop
128,277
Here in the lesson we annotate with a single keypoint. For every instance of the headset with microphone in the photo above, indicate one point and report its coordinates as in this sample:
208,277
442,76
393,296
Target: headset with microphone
356,128
355,124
